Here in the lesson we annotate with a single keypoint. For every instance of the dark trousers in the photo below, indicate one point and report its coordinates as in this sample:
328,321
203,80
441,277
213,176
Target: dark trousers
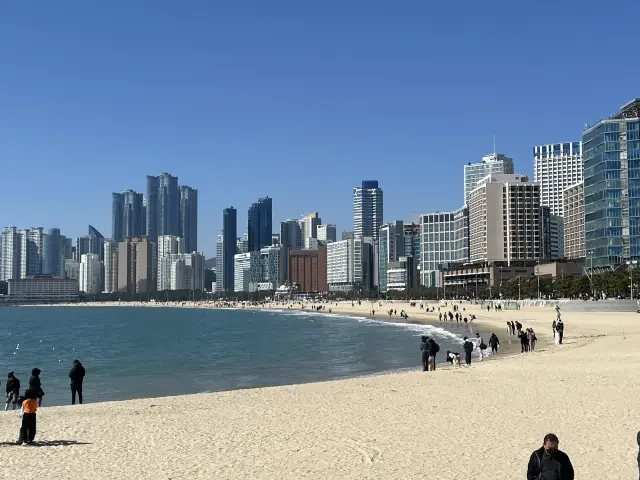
425,361
560,335
76,388
28,428
494,348
467,357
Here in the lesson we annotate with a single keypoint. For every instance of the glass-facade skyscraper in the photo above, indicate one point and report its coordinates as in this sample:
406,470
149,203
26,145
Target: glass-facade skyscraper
368,204
189,218
259,224
162,206
128,215
611,156
229,247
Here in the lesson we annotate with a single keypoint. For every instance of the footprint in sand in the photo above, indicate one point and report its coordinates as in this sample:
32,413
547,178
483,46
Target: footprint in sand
369,453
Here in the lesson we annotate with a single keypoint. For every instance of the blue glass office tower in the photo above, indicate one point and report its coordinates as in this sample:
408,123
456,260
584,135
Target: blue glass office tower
611,155
229,247
128,215
162,206
53,253
259,224
189,218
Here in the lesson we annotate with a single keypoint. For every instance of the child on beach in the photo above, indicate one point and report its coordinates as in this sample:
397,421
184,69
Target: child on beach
28,414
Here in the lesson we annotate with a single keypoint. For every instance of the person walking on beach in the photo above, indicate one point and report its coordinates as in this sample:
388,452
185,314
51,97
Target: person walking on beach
524,341
13,391
549,463
532,340
560,330
468,350
424,348
76,374
35,385
513,328
553,327
481,346
28,414
494,343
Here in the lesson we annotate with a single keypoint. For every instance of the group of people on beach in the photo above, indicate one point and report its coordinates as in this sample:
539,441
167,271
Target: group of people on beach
32,398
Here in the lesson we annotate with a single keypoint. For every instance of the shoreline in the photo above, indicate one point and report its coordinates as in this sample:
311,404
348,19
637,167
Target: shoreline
376,427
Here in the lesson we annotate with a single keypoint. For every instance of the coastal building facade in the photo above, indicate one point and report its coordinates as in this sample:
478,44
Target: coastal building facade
290,239
110,266
326,233
31,251
474,172
259,224
128,215
218,269
340,268
137,266
390,248
573,208
10,244
444,240
246,270
611,153
42,288
229,246
556,167
167,245
308,270
90,274
368,209
505,220
188,221
401,274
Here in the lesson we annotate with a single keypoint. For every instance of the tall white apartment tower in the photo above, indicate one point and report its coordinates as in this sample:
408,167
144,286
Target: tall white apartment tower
90,273
110,266
505,220
31,251
10,254
219,270
556,167
492,163
367,210
167,245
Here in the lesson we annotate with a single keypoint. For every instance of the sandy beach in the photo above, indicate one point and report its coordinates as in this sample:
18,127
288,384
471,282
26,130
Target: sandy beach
465,423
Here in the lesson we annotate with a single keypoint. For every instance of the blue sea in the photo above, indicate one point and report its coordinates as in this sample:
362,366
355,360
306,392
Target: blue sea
134,352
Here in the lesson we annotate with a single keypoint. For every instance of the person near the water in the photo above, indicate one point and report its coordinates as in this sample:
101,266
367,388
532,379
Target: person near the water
424,349
36,385
76,374
13,391
481,346
28,413
494,343
468,350
547,462
432,350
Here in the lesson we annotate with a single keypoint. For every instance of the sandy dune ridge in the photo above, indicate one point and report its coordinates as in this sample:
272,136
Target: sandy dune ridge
466,423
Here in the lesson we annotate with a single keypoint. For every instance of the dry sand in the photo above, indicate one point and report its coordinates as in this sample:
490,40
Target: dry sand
465,423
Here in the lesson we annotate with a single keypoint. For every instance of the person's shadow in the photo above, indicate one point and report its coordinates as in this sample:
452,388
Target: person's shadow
47,443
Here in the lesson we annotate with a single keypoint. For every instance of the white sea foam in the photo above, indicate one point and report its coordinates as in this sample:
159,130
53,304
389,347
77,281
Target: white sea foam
419,329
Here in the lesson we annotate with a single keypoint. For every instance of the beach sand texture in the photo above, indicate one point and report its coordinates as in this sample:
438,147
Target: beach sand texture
465,423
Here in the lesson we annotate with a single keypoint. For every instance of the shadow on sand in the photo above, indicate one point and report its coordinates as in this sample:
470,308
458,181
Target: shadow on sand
47,443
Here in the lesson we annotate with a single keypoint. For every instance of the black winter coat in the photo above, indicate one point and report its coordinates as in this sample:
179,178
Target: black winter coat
560,459
13,385
76,374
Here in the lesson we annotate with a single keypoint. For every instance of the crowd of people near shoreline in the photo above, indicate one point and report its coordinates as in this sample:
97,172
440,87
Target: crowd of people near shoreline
31,400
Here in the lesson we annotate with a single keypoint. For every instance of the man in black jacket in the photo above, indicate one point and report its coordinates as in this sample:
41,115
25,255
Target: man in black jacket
432,349
468,350
76,374
13,391
549,463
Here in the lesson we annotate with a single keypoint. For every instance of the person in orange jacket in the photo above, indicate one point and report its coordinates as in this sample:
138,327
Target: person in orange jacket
28,414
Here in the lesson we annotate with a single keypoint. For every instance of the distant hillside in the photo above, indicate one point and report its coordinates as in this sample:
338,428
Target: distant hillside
210,264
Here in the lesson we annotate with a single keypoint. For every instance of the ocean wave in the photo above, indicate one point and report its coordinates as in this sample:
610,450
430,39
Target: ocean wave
420,329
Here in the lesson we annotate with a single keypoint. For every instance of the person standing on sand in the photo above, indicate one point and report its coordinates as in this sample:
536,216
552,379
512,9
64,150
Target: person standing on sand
28,414
432,349
549,463
468,350
424,348
76,374
560,330
481,346
13,391
35,385
494,343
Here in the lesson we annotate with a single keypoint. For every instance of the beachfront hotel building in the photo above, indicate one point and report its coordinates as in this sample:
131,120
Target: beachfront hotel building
556,167
269,274
128,215
259,224
573,208
326,233
308,270
309,227
368,204
474,172
390,248
229,246
137,266
340,271
505,220
444,240
401,274
611,155
42,288
10,254
90,274
110,266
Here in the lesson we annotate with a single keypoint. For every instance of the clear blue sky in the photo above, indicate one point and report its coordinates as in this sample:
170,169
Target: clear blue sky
296,100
